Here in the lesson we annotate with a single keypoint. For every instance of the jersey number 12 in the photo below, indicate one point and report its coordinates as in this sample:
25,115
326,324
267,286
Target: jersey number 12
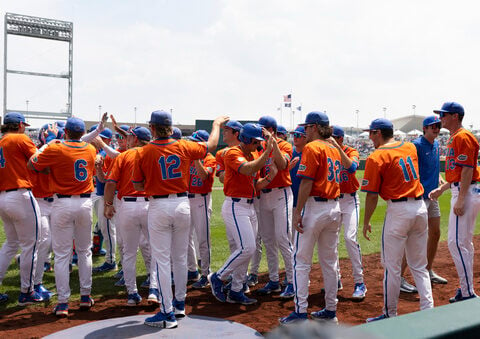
169,167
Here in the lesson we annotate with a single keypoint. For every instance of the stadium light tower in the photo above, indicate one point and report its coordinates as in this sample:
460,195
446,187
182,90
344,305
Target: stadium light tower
35,27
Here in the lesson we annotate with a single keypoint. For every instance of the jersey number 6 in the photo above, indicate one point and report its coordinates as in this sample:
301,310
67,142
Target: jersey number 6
169,167
80,170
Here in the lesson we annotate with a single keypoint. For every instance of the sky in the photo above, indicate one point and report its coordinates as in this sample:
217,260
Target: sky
203,58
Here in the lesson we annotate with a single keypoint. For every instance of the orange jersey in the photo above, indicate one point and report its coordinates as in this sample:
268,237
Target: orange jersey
164,165
321,163
121,173
348,181
15,150
392,172
282,179
41,185
237,185
197,185
462,151
72,166
219,160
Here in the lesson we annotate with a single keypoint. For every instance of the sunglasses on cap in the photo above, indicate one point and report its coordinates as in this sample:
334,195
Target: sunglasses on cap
298,135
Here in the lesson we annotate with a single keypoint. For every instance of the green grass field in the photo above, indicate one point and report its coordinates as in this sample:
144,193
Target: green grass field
103,283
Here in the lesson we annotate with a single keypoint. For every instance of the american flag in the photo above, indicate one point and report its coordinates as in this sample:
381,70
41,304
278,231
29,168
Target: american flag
299,108
287,98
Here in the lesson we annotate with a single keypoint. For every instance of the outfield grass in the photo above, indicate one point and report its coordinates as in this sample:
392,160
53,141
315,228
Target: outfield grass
103,283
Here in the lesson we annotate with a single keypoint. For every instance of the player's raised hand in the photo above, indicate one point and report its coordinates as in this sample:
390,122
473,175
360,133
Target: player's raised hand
367,228
333,142
103,121
269,145
221,120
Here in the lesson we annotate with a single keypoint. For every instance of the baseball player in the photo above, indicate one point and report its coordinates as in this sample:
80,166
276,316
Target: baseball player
429,166
462,175
200,196
391,171
317,219
299,142
160,170
282,132
71,164
177,133
132,213
18,208
276,203
241,169
350,208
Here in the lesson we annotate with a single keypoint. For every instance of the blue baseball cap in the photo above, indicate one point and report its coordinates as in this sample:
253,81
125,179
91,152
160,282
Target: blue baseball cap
315,117
126,128
75,124
61,133
94,127
177,133
14,118
106,133
380,123
200,135
233,124
338,132
267,122
61,124
299,130
451,107
431,120
161,118
142,133
281,130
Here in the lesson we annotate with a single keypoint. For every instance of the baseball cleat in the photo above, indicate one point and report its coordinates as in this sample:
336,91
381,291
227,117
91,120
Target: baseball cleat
436,279
29,298
192,276
61,310
217,287
118,275
339,285
380,317
293,318
252,280
146,283
271,286
86,302
325,315
239,298
120,282
359,291
285,282
153,297
40,289
459,297
3,298
201,283
178,308
288,293
105,267
134,299
162,320
406,287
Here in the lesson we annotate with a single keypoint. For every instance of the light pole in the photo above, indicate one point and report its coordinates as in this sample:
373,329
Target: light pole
135,110
384,112
99,112
413,107
356,112
27,102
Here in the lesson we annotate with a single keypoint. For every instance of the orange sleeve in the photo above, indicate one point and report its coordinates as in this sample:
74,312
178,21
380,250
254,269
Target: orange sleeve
235,159
138,176
47,158
219,159
371,177
309,164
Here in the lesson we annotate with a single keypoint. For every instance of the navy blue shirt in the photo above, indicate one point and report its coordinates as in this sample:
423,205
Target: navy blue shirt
428,163
293,175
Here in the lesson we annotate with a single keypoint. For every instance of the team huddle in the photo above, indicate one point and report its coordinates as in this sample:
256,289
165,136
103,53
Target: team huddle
153,192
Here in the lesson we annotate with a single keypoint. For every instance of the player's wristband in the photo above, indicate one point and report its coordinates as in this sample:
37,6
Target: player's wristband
108,203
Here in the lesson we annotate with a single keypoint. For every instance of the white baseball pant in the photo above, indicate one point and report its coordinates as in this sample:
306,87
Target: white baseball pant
405,230
257,256
132,221
107,227
350,209
321,224
71,218
168,228
147,258
275,229
201,212
21,222
241,222
45,241
460,236
192,250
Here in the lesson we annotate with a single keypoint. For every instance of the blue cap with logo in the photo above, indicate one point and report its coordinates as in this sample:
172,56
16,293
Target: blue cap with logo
177,133
281,130
268,122
106,133
234,124
338,132
141,133
161,118
451,107
380,123
299,130
315,117
200,135
14,118
431,120
75,124
251,131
